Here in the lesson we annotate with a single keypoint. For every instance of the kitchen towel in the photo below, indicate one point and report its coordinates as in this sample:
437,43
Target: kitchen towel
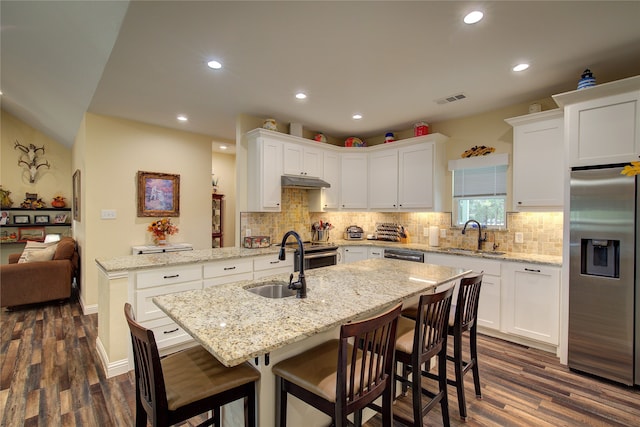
434,236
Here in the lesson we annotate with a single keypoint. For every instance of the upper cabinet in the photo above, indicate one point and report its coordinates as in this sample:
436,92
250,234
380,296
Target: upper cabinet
264,161
538,161
404,175
302,160
408,175
602,123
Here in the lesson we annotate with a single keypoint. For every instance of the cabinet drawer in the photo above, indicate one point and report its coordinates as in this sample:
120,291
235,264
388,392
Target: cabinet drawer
466,262
147,310
167,276
227,268
167,333
272,261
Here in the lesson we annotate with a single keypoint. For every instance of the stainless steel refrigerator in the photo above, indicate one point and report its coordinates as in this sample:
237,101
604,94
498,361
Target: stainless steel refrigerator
604,296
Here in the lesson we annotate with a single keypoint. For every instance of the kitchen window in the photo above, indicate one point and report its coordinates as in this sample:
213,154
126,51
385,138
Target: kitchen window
480,190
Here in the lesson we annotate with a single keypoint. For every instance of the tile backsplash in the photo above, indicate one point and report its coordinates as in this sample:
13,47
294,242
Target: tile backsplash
542,232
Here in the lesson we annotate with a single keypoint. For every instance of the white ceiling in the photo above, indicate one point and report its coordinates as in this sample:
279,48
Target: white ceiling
388,60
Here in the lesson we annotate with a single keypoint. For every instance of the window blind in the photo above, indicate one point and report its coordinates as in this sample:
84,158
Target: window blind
480,176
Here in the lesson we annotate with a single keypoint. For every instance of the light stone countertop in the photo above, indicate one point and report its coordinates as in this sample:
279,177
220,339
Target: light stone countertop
138,262
236,325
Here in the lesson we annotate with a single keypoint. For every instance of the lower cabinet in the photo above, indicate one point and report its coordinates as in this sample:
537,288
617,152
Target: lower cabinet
355,253
532,301
490,292
227,271
375,252
268,265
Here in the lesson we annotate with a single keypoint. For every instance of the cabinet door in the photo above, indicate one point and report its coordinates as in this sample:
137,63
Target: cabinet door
416,183
538,164
604,130
265,171
532,302
383,179
375,252
331,169
353,174
355,253
299,160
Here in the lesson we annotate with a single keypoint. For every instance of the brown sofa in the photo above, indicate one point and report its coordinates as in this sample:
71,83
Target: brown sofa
40,281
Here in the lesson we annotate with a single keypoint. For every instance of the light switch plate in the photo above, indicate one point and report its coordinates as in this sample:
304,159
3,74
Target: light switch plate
443,232
519,237
247,232
425,232
108,214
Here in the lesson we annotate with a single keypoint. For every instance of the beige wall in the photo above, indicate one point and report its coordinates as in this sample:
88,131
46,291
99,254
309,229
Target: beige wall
50,182
224,168
113,151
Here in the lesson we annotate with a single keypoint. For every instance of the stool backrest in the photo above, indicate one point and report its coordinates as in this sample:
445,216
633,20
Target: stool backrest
432,322
365,360
150,388
467,305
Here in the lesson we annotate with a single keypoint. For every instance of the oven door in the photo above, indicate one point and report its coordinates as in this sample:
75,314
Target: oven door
317,260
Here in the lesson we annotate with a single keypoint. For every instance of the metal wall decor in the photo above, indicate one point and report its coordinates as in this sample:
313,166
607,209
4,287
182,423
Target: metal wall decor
32,165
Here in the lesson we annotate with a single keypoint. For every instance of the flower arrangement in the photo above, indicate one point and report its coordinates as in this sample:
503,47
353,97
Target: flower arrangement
160,228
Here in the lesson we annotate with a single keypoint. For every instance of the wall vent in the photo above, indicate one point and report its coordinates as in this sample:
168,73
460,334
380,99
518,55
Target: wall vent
451,98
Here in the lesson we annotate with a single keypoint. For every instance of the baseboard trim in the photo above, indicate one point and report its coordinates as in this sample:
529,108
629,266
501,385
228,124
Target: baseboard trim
111,369
87,309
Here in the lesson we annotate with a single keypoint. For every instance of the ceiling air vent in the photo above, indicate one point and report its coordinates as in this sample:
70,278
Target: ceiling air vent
451,98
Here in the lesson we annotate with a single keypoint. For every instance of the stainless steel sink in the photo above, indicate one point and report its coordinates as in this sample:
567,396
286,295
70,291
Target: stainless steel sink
275,289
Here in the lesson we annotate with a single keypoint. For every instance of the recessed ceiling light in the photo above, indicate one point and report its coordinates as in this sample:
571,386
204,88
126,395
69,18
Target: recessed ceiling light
182,118
357,116
473,17
223,147
301,95
521,67
214,64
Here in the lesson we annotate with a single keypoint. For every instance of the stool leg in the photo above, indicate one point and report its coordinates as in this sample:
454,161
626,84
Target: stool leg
442,386
251,404
387,406
416,390
141,414
281,396
473,346
459,366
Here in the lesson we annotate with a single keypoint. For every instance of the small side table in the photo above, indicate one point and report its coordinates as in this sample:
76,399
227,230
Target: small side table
152,249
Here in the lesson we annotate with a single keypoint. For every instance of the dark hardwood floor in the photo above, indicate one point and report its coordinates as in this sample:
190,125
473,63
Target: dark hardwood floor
51,376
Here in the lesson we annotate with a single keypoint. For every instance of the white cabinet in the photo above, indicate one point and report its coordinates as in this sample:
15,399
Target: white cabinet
421,176
532,301
383,179
299,159
227,271
538,160
327,198
490,291
264,162
353,178
355,253
147,284
268,265
375,252
602,123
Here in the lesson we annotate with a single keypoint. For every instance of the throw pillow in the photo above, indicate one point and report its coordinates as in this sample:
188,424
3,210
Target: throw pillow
36,251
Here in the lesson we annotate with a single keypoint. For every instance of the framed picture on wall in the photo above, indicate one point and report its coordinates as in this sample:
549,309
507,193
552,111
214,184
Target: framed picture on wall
41,219
21,219
35,234
158,194
76,195
4,218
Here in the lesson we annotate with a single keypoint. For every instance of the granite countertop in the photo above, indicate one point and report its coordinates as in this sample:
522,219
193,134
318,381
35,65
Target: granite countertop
236,325
137,262
507,256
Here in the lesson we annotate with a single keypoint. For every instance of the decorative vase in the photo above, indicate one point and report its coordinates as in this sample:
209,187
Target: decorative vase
160,239
58,202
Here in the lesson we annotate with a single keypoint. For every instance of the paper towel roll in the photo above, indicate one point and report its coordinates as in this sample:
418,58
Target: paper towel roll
434,236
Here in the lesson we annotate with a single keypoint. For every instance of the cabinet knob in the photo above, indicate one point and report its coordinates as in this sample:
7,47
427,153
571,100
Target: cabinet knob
519,203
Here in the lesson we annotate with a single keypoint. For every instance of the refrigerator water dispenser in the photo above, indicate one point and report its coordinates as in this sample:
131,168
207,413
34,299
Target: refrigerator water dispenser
601,257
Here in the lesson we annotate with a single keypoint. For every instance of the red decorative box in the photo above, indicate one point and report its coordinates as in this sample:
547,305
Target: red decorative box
420,129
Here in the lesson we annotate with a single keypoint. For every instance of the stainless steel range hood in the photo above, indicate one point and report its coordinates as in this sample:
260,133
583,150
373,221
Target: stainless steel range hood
303,182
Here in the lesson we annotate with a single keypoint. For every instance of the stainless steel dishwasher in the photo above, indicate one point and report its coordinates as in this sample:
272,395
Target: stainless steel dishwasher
404,255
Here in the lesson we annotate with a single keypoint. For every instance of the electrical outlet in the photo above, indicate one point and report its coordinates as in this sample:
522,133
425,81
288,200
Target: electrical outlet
247,232
519,237
108,214
425,232
443,232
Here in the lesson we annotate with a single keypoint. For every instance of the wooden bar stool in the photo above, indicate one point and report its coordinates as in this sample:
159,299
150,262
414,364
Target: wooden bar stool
418,341
345,375
185,384
463,318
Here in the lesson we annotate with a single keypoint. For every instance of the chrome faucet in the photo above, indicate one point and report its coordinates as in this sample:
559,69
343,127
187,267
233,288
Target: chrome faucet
301,285
480,239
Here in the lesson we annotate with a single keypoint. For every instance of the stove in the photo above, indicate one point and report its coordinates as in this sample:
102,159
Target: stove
316,255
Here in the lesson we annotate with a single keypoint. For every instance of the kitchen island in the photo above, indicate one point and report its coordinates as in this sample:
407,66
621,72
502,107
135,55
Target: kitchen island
236,325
